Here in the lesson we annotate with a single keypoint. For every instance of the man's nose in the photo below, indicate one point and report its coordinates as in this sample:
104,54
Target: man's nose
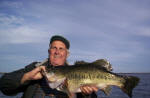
57,51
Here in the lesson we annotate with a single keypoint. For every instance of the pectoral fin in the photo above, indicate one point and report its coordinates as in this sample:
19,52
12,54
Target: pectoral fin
64,87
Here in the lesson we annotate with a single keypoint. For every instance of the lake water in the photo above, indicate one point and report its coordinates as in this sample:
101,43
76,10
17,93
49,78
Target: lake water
141,91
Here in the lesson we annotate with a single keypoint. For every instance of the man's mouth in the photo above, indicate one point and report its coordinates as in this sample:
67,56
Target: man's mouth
57,56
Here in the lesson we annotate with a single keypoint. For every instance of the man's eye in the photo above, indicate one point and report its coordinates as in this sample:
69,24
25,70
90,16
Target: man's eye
53,48
62,49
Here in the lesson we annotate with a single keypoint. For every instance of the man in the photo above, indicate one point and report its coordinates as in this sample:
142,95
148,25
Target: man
30,80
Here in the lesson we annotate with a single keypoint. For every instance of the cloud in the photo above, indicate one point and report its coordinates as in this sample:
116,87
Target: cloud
11,4
117,31
14,30
10,19
143,31
22,34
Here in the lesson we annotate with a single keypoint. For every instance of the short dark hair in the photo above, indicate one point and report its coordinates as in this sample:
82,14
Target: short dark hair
60,38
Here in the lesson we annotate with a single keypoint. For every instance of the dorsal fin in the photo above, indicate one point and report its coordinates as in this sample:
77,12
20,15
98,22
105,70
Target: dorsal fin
100,63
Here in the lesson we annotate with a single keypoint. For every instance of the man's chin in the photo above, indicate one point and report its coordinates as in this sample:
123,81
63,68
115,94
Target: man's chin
57,64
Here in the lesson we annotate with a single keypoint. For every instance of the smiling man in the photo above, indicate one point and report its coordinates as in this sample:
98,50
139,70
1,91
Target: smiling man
58,53
30,81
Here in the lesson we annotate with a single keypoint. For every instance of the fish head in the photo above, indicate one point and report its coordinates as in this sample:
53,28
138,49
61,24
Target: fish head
53,74
51,77
54,77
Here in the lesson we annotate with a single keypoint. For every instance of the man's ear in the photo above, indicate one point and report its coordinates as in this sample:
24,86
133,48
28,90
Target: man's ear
49,48
68,53
49,51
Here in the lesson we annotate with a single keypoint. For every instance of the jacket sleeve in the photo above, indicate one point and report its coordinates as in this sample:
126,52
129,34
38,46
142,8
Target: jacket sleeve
10,83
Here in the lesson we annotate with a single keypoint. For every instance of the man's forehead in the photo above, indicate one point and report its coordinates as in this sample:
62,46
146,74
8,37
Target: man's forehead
58,43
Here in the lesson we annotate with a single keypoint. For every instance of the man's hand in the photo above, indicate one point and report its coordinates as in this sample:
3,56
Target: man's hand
88,89
35,74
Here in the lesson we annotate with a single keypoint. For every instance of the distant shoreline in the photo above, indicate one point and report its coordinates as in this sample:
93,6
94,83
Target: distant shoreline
134,73
2,72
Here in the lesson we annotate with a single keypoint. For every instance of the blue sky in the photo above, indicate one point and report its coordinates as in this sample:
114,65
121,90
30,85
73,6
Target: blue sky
118,31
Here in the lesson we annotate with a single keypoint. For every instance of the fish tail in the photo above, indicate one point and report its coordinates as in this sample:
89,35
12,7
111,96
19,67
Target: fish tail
130,83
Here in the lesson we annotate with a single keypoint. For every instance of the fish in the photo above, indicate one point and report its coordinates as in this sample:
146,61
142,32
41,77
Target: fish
69,79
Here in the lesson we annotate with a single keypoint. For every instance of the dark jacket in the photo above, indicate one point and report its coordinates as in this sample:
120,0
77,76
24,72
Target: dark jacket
10,83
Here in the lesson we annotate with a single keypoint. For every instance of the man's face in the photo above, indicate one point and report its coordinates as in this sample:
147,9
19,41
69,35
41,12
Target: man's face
58,53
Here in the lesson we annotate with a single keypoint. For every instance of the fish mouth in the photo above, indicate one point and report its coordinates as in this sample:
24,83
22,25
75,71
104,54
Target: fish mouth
50,77
58,84
53,81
